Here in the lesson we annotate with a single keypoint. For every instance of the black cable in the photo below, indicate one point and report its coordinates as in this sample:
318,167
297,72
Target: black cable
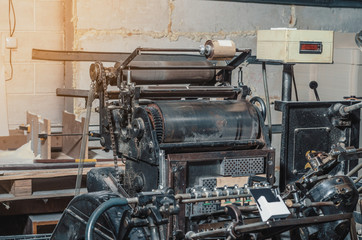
12,31
295,85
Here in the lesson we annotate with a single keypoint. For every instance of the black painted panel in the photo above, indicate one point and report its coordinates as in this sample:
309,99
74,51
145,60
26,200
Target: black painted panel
320,3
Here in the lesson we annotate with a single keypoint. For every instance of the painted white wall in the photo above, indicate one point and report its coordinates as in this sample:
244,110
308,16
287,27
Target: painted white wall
39,24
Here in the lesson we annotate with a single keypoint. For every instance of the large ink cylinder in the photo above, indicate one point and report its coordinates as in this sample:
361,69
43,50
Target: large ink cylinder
205,121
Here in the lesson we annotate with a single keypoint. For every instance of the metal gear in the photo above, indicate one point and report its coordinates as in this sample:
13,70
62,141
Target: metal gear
157,122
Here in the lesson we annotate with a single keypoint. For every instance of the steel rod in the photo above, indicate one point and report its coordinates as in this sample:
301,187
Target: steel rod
287,83
214,198
268,111
354,170
83,147
180,68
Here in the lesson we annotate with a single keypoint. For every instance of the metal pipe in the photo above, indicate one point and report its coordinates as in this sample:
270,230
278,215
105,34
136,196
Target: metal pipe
261,102
84,140
225,92
154,229
287,83
357,180
352,107
268,112
101,209
183,196
354,170
313,204
206,199
180,67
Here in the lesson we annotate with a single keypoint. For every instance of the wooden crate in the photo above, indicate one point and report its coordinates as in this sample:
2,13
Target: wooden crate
36,222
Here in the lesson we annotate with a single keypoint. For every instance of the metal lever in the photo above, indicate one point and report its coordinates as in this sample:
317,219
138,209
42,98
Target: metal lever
313,85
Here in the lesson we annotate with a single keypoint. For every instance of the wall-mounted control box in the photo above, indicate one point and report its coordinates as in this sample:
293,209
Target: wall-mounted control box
295,46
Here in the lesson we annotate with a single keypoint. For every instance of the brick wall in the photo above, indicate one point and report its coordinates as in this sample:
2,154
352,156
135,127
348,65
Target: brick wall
39,24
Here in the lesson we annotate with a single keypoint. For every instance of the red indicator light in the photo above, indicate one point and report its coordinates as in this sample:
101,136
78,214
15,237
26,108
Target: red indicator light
313,47
310,47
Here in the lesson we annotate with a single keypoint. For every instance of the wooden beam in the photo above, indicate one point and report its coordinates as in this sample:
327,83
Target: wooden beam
40,195
66,92
83,56
12,142
47,173
21,188
35,206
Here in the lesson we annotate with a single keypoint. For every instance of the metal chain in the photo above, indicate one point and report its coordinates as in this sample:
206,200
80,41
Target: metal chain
110,125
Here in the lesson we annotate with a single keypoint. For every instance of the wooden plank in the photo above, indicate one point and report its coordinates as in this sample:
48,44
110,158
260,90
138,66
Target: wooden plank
49,173
72,144
13,132
66,92
39,195
231,181
33,121
41,54
12,142
45,143
57,141
35,206
21,188
41,174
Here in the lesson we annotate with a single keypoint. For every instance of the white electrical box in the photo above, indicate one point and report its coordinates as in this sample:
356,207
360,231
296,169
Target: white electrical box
11,43
270,205
295,46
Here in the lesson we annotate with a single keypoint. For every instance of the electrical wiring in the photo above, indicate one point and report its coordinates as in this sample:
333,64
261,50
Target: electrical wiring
12,31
